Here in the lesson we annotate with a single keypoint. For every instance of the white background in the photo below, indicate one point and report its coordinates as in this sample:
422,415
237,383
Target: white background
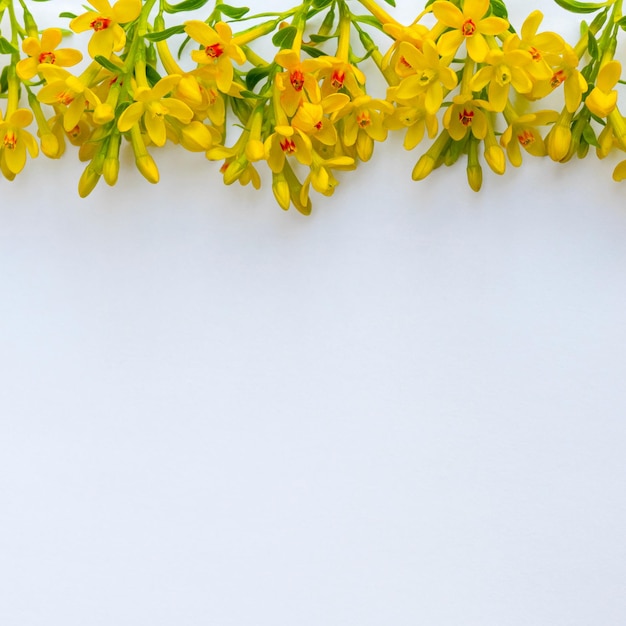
406,409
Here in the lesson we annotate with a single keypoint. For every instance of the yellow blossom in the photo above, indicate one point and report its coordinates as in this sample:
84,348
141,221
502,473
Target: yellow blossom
219,50
465,115
523,132
363,124
469,25
299,79
430,75
45,51
415,119
152,105
504,69
16,142
108,35
65,90
545,48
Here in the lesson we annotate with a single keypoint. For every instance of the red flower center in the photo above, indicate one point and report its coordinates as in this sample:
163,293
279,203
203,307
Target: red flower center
47,57
466,117
468,28
288,146
214,51
297,80
337,78
10,140
526,138
100,23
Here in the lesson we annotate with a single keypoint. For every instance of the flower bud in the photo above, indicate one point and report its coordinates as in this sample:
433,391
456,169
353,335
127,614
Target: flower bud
494,155
423,167
148,168
88,181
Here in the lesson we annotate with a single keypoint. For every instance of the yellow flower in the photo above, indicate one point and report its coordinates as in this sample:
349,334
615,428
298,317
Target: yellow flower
505,68
65,90
45,51
312,119
470,25
341,75
321,177
415,34
415,119
430,75
565,73
545,48
603,98
219,50
523,132
465,115
16,142
108,35
363,124
152,105
287,141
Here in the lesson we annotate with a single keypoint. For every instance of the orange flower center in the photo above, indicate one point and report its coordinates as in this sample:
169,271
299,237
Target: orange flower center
215,51
535,54
405,63
336,80
466,117
100,23
363,119
526,138
318,126
10,140
288,146
297,80
468,28
212,96
557,78
65,98
47,57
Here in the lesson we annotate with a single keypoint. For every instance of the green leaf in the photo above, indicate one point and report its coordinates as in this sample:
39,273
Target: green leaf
391,2
592,46
498,8
234,13
67,14
590,136
186,5
285,37
106,64
321,4
313,52
583,7
256,75
6,47
166,33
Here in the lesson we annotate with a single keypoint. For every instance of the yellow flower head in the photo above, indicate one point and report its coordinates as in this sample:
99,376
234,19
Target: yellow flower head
44,51
218,50
523,132
465,115
469,25
299,81
16,142
108,35
68,92
154,107
504,69
428,75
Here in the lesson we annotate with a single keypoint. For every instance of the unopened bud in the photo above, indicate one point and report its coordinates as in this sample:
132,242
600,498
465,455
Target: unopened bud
88,181
111,170
475,177
494,155
423,167
148,168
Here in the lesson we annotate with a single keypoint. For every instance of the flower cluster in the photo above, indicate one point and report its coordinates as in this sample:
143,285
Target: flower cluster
460,75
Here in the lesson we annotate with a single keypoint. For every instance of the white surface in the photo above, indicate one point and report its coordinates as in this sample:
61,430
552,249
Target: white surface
406,409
